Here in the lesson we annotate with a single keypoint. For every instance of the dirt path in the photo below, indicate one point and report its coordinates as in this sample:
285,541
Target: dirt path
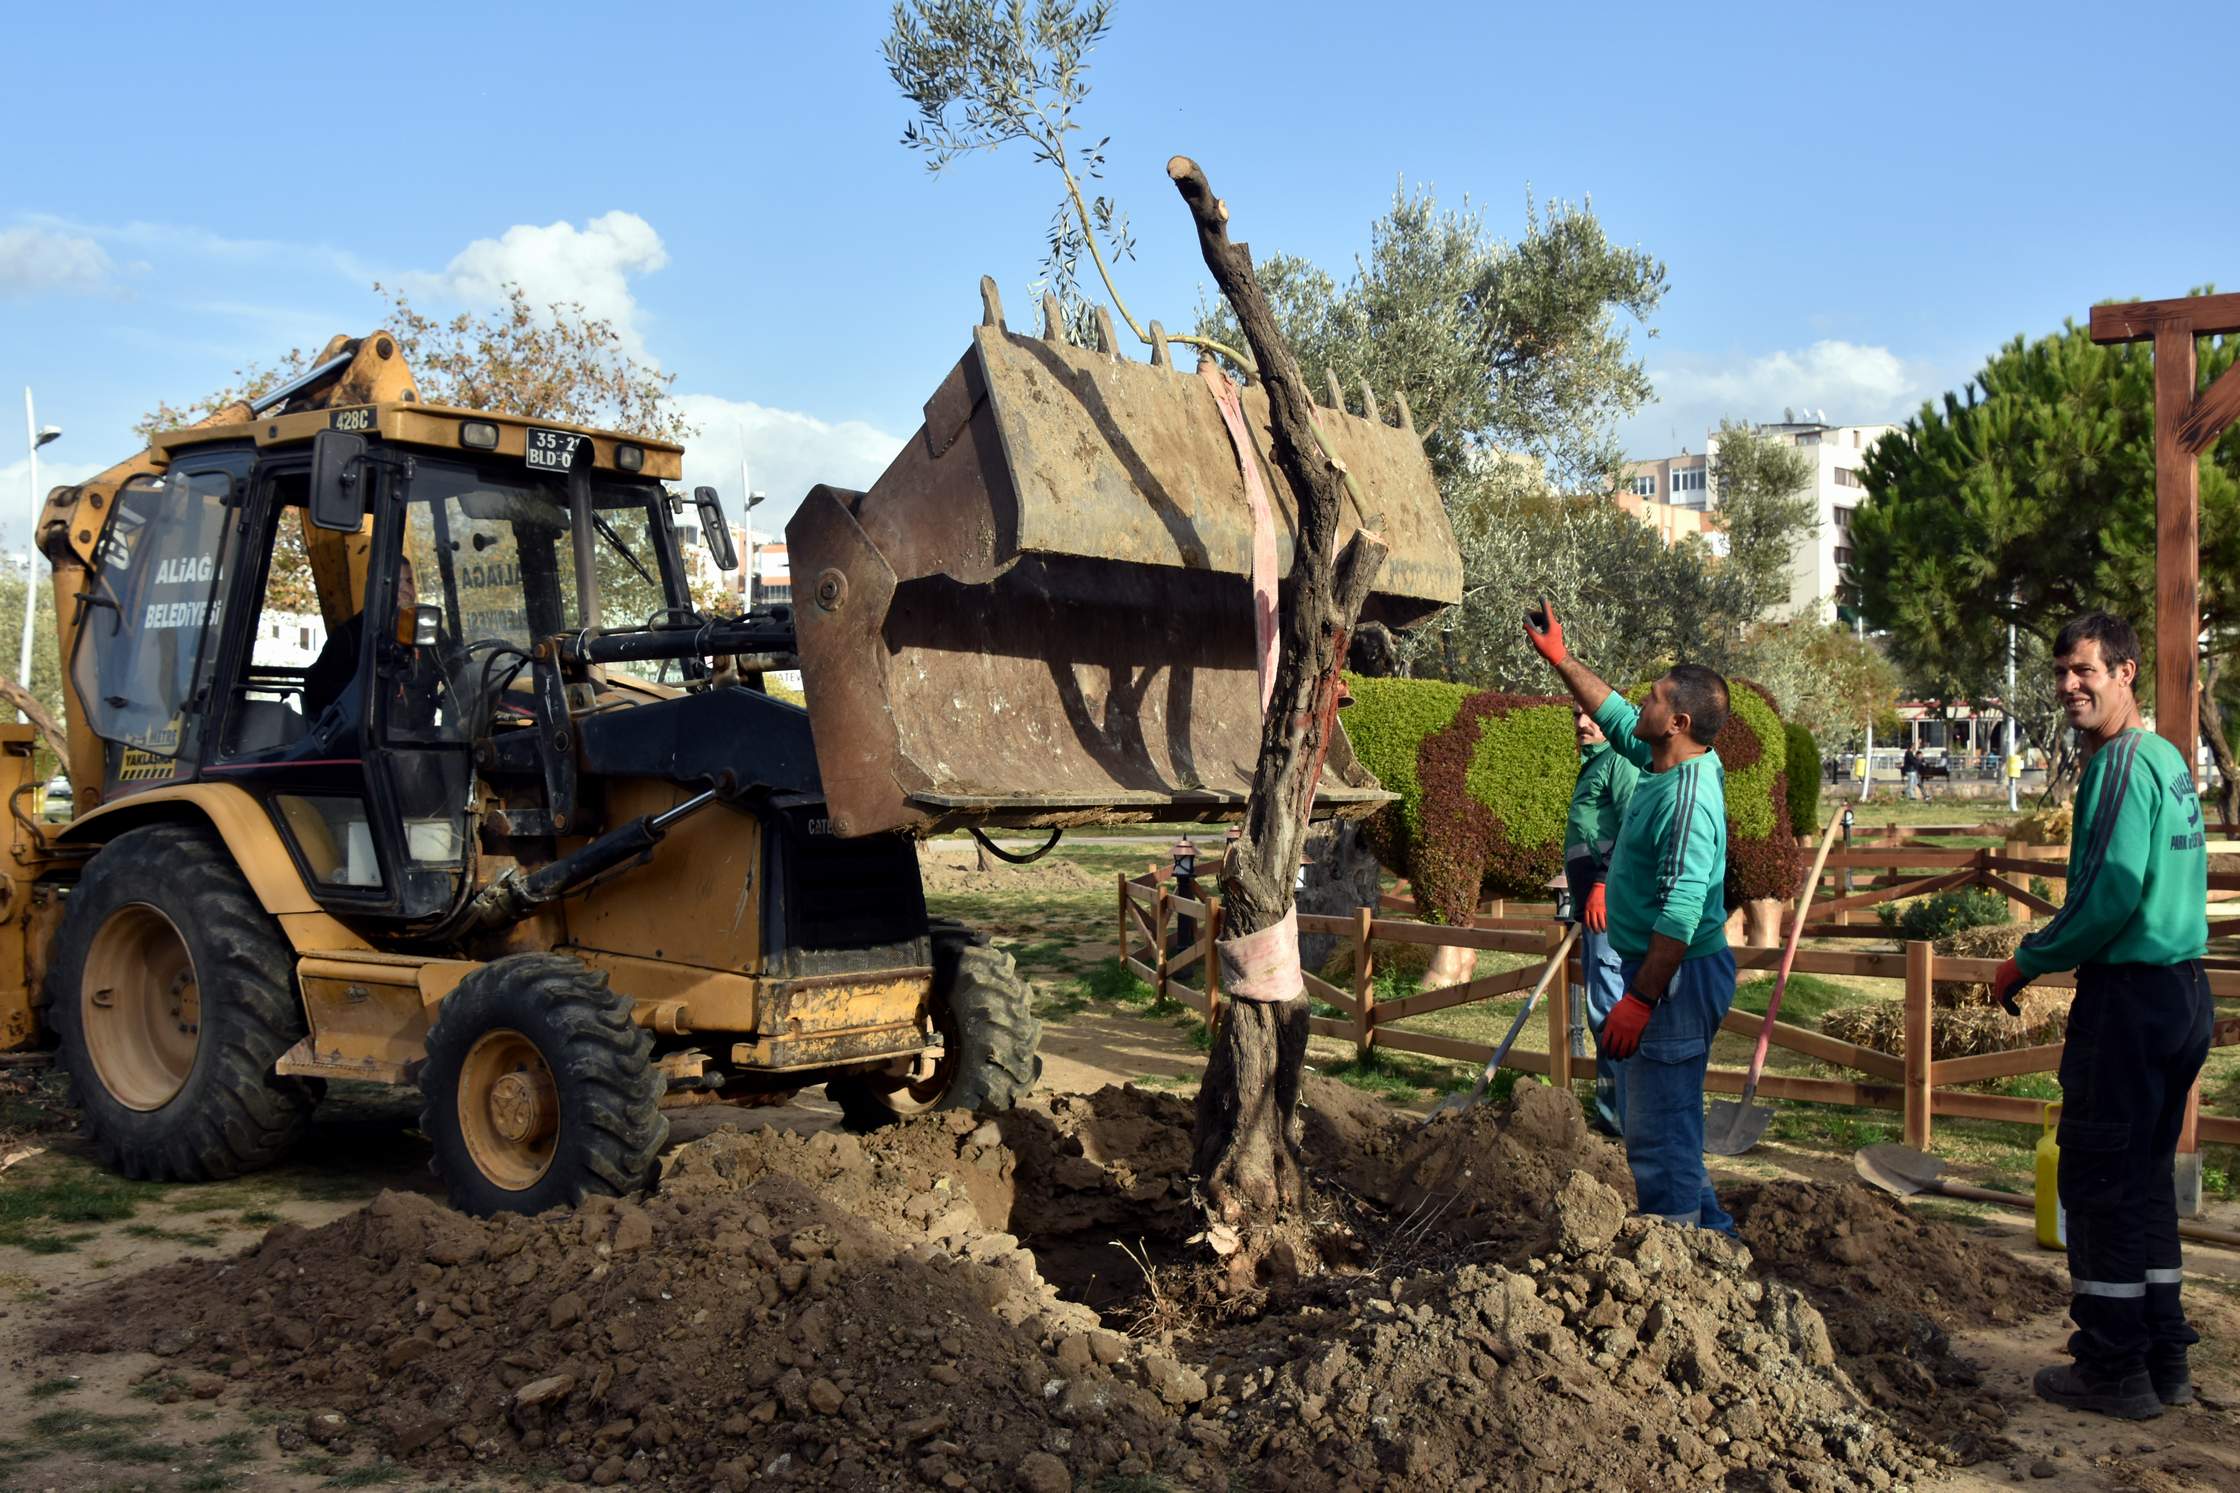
122,1420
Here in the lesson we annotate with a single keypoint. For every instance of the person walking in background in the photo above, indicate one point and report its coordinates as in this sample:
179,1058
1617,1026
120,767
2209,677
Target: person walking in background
1665,906
1911,766
2134,928
1598,807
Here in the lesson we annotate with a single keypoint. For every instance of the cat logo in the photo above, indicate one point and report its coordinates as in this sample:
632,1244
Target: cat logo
144,767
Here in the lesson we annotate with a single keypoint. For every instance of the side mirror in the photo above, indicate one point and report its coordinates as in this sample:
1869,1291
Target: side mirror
427,626
338,495
716,527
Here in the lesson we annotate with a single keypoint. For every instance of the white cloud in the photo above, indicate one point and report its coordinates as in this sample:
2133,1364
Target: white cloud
787,453
592,265
1855,384
36,257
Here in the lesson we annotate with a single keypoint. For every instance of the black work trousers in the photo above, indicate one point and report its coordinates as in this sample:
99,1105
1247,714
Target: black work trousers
2138,1034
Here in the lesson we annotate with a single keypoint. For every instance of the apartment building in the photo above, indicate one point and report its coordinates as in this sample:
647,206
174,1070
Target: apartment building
1818,564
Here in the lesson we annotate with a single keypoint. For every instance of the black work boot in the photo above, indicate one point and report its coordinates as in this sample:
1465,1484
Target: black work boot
2132,1397
2173,1382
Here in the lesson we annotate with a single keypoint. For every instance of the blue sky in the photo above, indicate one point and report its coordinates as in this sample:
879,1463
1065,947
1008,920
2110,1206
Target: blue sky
1856,204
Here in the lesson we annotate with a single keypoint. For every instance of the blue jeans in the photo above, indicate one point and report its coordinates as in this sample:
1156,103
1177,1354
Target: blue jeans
1664,1093
1606,986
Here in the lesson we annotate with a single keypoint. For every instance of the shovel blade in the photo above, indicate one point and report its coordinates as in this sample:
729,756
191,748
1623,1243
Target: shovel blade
1732,1129
1898,1169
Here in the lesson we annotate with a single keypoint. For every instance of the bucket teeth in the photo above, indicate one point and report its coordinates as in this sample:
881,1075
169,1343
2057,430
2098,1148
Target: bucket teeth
1369,403
1160,358
1337,394
991,303
1053,319
1108,339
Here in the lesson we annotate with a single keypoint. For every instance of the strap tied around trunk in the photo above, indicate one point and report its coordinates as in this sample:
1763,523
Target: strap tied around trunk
1263,966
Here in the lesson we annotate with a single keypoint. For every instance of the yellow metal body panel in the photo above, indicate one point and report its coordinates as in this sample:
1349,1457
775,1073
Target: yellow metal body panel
240,821
429,425
701,901
23,927
367,1020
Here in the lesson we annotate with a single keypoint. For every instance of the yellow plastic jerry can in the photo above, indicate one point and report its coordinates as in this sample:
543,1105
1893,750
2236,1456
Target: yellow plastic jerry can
2053,1219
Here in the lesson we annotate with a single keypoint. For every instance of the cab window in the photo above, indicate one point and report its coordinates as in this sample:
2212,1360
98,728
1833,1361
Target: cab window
142,658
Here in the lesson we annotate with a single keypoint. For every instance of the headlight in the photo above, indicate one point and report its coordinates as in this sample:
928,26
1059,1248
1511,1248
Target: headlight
630,458
481,435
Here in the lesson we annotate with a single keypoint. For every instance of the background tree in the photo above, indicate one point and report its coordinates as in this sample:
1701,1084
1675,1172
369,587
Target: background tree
1761,487
1823,677
2029,497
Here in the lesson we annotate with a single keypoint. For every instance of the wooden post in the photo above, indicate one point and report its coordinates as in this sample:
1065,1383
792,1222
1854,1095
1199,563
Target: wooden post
1921,971
2018,911
1123,919
1159,937
1364,986
1212,962
1559,1017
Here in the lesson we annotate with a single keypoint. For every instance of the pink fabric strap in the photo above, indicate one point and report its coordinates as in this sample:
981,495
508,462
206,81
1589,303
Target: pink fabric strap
1263,966
1263,527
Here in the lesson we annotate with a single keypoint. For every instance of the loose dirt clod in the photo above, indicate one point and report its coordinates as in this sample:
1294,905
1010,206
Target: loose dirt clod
907,1310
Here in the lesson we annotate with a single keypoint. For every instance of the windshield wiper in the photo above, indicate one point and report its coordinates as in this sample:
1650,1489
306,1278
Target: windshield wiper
606,530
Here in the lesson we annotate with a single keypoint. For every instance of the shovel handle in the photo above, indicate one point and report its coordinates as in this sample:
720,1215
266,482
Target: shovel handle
2206,1233
1789,957
1547,973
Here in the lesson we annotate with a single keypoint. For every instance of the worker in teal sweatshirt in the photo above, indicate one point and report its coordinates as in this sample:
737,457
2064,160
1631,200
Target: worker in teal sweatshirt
1666,906
1598,807
2134,927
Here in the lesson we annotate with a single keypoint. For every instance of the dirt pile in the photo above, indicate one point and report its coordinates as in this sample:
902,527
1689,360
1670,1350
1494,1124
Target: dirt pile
949,871
906,1310
1632,1353
1891,1284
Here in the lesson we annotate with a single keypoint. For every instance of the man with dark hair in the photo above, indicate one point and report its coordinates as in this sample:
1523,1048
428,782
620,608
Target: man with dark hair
1666,908
2134,928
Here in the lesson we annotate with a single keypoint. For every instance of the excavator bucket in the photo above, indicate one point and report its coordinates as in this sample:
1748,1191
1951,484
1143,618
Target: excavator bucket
1041,613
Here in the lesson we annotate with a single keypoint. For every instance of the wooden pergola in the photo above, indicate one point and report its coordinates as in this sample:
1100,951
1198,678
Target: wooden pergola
2187,421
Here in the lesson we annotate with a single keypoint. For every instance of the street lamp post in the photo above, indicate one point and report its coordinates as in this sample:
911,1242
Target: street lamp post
2014,782
754,561
36,436
1866,770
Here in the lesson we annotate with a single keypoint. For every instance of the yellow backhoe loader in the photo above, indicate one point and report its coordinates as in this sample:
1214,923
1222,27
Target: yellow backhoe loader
529,833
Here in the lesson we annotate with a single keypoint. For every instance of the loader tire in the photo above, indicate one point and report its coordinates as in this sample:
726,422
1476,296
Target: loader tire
987,1062
539,1089
173,994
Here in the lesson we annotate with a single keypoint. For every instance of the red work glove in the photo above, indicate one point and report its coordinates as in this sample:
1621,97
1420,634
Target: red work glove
1597,916
2007,985
1546,633
1622,1028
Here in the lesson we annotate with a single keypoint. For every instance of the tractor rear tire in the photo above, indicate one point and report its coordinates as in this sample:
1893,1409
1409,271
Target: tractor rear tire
540,1089
173,995
987,1062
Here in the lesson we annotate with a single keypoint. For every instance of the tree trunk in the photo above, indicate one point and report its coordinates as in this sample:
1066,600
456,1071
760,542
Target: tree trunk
2220,746
1247,1156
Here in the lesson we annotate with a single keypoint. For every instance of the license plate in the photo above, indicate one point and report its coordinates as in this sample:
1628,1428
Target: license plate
556,450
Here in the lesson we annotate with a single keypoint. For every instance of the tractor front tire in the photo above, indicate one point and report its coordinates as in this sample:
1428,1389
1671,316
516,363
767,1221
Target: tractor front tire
539,1089
987,1062
173,995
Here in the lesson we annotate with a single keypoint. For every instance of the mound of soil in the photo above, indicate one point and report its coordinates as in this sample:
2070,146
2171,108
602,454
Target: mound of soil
942,873
907,1310
1890,1284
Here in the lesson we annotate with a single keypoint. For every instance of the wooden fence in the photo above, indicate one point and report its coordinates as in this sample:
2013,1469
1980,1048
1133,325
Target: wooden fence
1913,1082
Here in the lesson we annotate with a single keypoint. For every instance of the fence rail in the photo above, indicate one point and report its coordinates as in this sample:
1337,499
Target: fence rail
1166,940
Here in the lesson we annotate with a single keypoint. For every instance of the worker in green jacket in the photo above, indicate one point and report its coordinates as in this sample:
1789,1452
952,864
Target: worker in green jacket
1665,901
1598,807
2134,927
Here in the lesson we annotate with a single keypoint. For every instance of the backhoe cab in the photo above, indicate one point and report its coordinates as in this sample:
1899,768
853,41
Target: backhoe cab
528,832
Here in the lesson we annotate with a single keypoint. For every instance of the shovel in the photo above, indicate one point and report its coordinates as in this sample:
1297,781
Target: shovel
1735,1126
1904,1171
1456,1103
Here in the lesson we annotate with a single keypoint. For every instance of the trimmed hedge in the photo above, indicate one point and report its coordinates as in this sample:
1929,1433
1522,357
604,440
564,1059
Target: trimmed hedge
1804,780
1485,782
